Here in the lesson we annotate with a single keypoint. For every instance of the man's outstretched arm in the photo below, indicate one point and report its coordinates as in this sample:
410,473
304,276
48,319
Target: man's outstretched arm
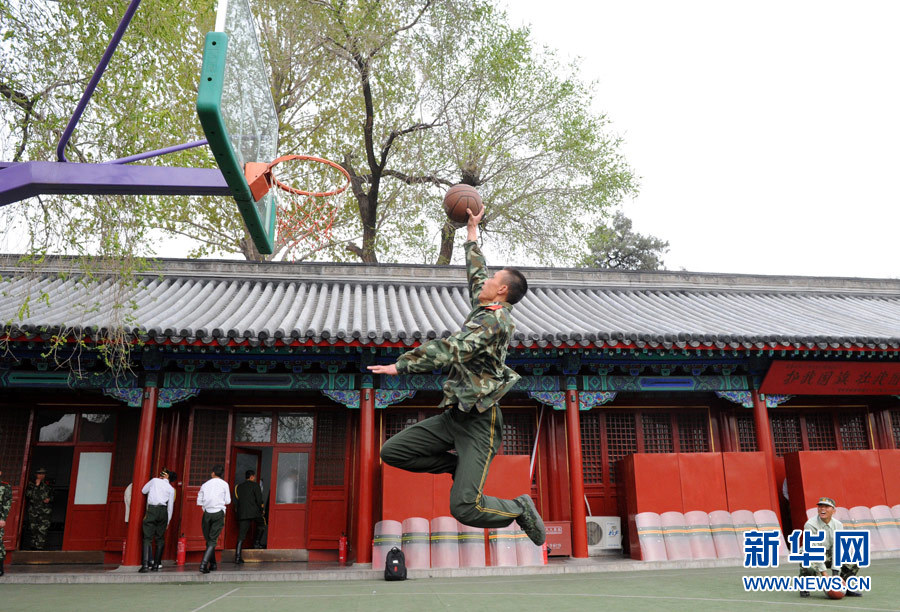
442,352
476,268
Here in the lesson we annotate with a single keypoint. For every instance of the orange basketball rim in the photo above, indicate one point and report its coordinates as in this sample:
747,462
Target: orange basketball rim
260,177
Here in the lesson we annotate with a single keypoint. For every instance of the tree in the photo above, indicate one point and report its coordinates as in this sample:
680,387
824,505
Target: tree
410,96
619,247
47,56
525,136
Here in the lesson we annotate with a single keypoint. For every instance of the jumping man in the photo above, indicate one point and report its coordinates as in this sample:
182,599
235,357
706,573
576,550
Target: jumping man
472,423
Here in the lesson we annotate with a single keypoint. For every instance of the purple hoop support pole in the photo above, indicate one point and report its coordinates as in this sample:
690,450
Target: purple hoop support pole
158,152
22,180
92,85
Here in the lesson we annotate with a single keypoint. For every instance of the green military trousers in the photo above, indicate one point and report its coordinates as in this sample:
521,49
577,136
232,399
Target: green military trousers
476,436
156,519
846,570
212,525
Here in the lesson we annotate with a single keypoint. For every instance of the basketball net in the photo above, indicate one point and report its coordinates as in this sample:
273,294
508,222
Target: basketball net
302,217
302,220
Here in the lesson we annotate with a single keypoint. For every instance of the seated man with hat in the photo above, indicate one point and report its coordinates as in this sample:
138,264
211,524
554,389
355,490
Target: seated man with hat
825,521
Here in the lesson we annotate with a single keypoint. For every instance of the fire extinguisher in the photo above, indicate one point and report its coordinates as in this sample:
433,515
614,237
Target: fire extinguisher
546,553
342,549
182,550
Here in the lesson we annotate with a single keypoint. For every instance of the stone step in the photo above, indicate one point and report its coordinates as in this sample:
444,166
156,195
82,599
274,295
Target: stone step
267,555
57,557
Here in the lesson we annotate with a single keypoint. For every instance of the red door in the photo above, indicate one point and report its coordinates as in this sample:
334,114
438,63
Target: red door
88,495
288,496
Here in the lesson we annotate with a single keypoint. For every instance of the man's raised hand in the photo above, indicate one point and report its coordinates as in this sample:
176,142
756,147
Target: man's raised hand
390,370
472,224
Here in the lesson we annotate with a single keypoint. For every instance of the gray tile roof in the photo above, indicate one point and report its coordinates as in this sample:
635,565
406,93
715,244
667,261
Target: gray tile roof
216,302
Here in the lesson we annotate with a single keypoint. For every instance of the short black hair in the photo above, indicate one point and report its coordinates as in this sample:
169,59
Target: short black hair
517,285
173,476
218,470
249,473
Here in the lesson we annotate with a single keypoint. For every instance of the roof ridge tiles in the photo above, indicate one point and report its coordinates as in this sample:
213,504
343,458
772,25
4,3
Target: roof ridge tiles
402,274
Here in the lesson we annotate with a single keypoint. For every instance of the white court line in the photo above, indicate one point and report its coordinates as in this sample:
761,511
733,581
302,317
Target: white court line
531,578
216,599
558,595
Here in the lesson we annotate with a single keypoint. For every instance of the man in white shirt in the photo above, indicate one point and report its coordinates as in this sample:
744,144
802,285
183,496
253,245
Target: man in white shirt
213,497
160,503
825,521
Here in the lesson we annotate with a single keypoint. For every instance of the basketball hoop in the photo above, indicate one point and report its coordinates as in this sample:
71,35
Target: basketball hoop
260,177
307,216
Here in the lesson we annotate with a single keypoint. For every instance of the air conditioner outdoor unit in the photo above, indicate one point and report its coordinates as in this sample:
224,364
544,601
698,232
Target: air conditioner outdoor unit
604,534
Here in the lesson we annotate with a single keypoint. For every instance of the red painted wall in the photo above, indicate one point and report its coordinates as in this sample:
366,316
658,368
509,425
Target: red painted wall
691,481
702,481
406,494
746,484
890,472
863,484
652,483
851,478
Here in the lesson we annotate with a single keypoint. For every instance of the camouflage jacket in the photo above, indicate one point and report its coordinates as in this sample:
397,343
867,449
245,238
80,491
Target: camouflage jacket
36,494
475,355
5,500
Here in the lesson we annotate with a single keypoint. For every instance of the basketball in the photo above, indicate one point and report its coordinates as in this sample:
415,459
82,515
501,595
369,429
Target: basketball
835,594
458,200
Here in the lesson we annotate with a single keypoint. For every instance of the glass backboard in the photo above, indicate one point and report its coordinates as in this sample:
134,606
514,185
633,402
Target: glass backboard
236,110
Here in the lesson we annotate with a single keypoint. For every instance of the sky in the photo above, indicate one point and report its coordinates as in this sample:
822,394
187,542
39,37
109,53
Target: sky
766,134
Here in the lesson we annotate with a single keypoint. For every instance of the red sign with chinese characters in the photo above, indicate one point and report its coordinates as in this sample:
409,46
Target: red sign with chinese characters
559,538
832,378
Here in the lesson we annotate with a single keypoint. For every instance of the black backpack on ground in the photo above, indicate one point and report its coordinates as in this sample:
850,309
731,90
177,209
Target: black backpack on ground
395,565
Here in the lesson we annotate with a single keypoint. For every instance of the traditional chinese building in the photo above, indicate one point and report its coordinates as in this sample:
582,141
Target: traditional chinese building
262,366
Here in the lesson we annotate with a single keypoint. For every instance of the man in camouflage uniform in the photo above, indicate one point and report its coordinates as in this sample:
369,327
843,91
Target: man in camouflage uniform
39,497
825,521
472,423
5,504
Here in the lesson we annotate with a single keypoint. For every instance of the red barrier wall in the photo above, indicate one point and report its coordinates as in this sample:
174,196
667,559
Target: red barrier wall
691,481
851,478
746,484
780,473
656,486
407,494
809,478
863,482
890,472
702,481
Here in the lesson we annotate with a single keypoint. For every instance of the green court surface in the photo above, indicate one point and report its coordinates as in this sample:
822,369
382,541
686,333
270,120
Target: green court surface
694,590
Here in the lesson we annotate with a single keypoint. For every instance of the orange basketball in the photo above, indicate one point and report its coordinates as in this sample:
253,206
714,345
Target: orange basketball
835,594
458,200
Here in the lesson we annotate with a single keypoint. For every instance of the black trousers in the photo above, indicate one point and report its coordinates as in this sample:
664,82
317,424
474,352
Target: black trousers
244,527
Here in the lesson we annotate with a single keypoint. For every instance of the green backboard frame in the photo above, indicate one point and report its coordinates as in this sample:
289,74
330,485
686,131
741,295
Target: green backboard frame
246,108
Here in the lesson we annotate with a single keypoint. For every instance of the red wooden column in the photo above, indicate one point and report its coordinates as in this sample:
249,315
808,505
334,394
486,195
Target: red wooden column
143,455
576,476
764,443
367,462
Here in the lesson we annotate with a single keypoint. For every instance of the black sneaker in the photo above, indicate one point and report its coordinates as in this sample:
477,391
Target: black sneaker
853,594
804,593
530,521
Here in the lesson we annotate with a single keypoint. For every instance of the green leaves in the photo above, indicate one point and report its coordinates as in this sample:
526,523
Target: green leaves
411,96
